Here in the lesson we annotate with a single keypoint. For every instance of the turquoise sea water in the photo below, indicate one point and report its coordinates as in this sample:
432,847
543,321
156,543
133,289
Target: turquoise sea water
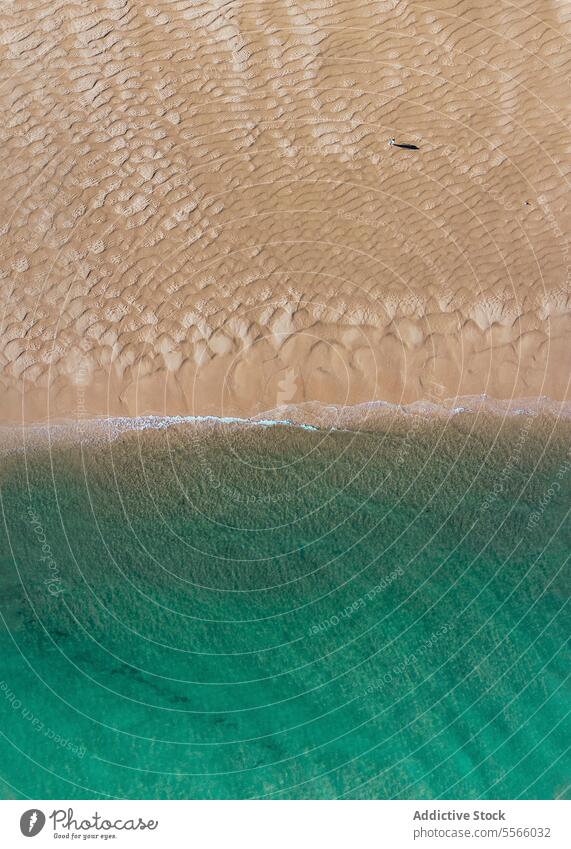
234,612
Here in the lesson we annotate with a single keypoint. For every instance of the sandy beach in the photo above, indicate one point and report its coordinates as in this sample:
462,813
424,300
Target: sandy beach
202,213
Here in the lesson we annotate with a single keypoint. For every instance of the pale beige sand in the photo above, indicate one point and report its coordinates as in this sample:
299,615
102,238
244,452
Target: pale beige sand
201,212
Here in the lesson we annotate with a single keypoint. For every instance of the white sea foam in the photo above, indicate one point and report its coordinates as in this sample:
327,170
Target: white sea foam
309,416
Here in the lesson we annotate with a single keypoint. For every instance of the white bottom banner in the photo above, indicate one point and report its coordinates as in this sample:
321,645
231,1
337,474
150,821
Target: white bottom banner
288,824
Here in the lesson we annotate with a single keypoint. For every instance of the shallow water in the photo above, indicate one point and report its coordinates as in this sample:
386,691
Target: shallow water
221,611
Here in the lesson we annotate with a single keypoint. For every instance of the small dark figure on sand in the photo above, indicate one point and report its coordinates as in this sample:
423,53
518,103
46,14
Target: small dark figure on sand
393,143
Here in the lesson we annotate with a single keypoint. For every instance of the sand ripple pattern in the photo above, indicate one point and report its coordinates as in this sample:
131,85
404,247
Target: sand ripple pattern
201,213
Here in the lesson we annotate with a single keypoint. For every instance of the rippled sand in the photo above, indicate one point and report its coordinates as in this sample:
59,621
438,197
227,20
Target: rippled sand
202,214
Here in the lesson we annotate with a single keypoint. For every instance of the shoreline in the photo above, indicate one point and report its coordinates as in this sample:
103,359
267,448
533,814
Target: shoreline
366,417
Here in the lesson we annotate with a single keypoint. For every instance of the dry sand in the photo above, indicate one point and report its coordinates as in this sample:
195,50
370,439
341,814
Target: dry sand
201,212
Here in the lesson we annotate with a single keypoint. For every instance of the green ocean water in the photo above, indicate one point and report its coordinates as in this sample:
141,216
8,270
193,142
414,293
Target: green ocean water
236,612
